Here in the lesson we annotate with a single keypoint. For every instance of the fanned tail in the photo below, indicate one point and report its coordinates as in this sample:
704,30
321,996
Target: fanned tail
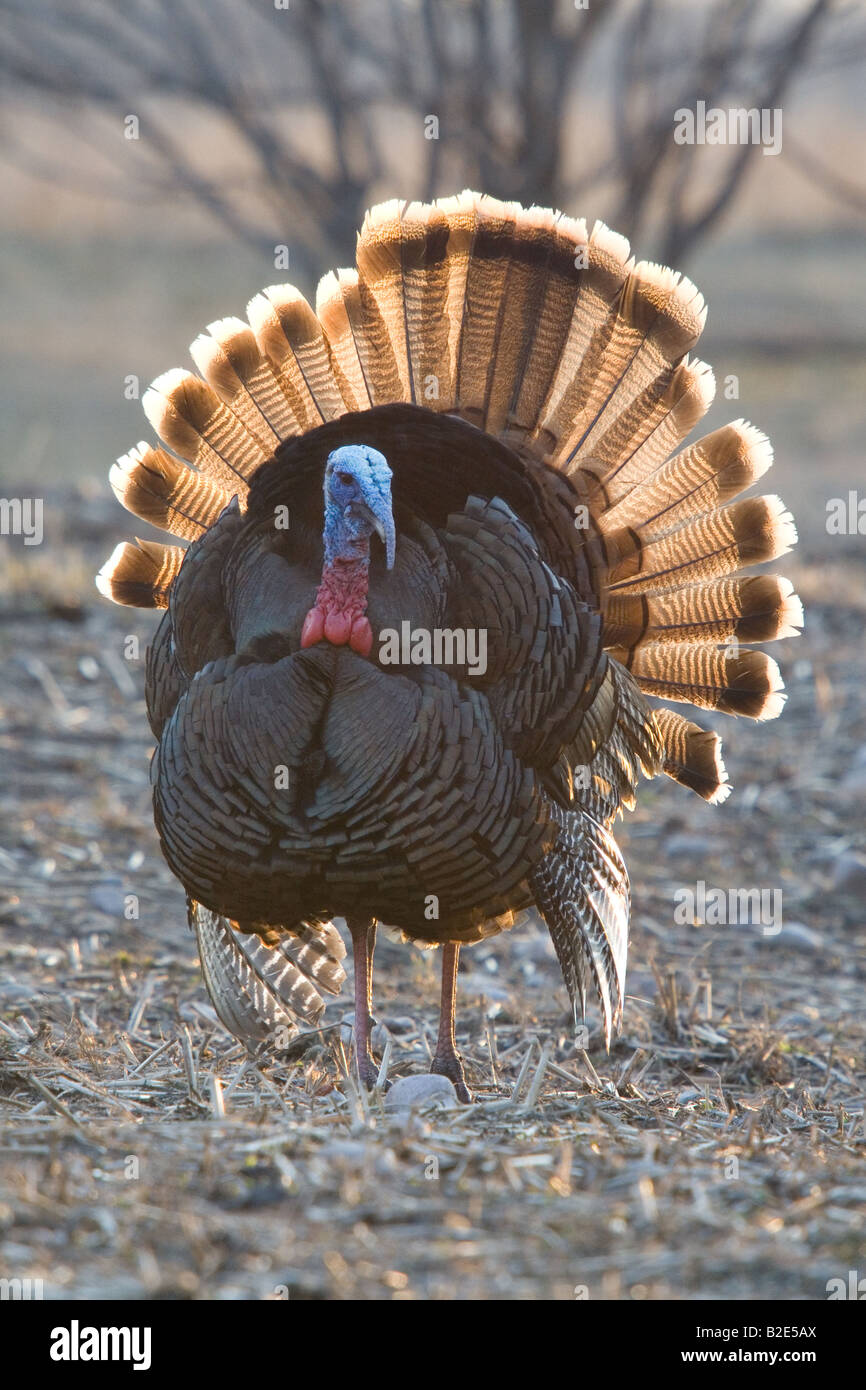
551,337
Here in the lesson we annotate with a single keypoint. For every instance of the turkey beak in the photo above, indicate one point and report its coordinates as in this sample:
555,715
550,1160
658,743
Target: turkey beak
385,532
382,522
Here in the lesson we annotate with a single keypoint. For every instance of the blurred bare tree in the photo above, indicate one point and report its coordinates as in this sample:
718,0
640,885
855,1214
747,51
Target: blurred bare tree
314,97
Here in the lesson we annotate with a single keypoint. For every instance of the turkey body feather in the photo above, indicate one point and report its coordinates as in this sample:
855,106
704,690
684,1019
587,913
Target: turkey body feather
438,729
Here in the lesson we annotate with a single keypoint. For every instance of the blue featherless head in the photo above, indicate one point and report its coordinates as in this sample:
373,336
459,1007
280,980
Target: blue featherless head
357,503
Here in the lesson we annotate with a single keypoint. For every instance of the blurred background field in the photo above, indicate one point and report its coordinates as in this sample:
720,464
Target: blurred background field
261,128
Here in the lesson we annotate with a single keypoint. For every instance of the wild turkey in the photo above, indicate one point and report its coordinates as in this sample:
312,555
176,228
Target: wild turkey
473,434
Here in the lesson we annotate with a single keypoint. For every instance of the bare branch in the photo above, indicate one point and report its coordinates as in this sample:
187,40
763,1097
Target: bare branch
499,74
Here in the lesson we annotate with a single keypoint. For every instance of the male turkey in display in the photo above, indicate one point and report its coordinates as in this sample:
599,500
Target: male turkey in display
441,551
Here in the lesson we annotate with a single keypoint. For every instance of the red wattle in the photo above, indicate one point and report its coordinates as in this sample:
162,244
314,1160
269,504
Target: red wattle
338,628
314,628
338,616
361,640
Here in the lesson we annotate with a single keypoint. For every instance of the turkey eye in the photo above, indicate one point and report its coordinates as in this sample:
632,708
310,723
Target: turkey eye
345,478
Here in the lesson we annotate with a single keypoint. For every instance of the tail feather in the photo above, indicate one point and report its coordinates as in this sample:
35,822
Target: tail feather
701,477
659,318
379,321
701,674
140,575
581,887
191,419
693,756
261,991
548,317
487,276
523,291
461,214
380,271
229,359
160,489
645,440
720,542
290,336
426,270
755,608
338,305
562,417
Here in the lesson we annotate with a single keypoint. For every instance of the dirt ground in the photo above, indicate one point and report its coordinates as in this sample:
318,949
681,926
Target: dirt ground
716,1152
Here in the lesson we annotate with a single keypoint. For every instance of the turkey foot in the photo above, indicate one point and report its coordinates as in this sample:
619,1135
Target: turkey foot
447,1061
368,1071
451,1065
363,933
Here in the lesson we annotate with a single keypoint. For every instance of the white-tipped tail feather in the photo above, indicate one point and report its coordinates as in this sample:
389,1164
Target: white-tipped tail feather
140,575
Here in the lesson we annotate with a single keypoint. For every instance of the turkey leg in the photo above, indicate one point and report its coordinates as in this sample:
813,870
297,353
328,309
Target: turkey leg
363,933
447,1061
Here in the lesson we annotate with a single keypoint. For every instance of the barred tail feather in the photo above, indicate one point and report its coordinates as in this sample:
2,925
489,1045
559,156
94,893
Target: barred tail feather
140,575
548,321
338,308
290,336
261,992
703,476
704,675
229,359
721,542
754,608
160,489
693,756
191,419
581,888
659,318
